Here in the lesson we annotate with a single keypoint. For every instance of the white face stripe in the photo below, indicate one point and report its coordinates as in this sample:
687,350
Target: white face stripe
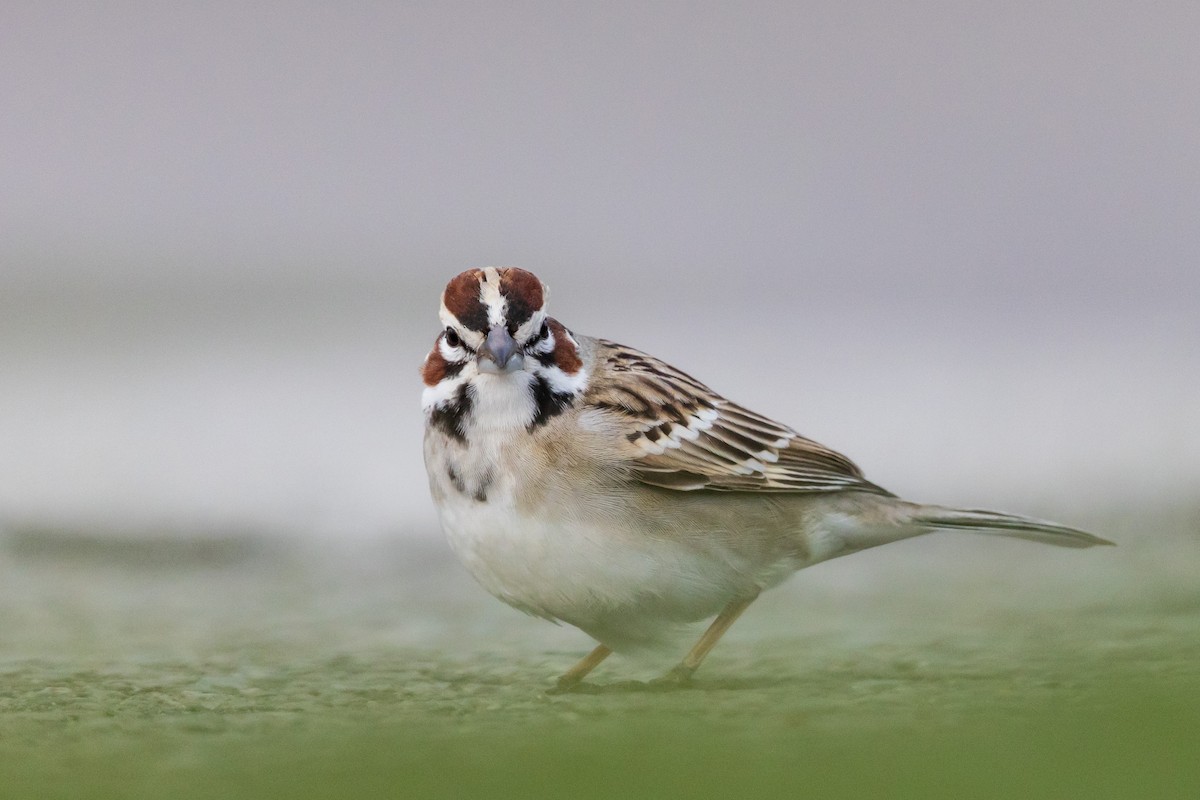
474,339
490,296
563,383
546,345
530,327
452,355
445,390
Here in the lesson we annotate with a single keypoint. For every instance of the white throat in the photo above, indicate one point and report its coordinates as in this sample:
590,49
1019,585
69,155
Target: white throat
501,402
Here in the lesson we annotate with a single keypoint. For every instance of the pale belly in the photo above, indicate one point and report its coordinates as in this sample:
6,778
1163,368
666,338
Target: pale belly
626,587
622,565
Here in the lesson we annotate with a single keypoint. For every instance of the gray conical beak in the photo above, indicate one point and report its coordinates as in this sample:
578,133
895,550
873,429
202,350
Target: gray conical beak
500,352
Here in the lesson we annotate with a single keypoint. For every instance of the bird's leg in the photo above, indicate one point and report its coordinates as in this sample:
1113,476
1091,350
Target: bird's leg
682,672
571,678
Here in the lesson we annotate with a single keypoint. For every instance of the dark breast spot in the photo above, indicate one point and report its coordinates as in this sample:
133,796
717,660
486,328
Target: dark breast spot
547,402
485,483
456,480
478,493
450,417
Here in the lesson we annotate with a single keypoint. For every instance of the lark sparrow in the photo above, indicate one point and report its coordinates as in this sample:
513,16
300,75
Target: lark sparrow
587,482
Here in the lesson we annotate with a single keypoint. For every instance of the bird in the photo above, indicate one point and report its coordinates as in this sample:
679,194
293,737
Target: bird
592,484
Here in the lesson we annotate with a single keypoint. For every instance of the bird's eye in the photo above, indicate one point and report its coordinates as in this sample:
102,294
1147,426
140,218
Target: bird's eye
452,338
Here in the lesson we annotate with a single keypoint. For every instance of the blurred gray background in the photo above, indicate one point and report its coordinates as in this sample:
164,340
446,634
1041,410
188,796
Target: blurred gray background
957,241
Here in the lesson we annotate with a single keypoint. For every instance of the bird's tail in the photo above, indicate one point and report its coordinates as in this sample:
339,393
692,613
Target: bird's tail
995,524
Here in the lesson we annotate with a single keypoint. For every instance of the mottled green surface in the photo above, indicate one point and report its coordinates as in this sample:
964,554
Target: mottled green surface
242,666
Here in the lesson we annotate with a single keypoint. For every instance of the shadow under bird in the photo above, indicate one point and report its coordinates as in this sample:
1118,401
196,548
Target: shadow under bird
590,483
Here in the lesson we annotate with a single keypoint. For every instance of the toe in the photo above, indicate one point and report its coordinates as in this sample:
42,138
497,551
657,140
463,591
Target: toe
678,677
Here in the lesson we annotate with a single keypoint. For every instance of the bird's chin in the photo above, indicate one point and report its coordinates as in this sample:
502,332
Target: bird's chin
490,367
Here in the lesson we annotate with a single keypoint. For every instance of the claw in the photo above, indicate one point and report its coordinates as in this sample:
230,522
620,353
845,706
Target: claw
565,685
679,677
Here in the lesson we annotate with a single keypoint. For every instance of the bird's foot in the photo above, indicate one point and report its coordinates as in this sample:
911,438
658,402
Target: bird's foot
679,677
565,684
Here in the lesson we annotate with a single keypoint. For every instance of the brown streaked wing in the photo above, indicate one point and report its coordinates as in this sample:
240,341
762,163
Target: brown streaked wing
679,434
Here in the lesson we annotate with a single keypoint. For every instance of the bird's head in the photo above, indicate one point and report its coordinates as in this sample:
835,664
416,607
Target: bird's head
495,329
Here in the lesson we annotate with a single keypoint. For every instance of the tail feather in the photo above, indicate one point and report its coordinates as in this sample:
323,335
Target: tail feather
996,524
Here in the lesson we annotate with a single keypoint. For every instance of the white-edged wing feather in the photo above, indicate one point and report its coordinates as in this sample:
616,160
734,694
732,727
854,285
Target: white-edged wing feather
679,434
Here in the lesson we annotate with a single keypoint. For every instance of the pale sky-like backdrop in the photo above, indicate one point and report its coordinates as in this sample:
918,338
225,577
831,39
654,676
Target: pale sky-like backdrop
959,242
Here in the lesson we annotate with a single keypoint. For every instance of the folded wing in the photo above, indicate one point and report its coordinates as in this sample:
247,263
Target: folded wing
679,434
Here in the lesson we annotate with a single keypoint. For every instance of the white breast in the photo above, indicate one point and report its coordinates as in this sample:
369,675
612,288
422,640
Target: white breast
602,573
579,556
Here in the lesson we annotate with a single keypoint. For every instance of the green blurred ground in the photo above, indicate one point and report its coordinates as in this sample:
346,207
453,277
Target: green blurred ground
242,666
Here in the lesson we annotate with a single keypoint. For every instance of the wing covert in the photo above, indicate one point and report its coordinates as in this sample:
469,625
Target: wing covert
679,434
